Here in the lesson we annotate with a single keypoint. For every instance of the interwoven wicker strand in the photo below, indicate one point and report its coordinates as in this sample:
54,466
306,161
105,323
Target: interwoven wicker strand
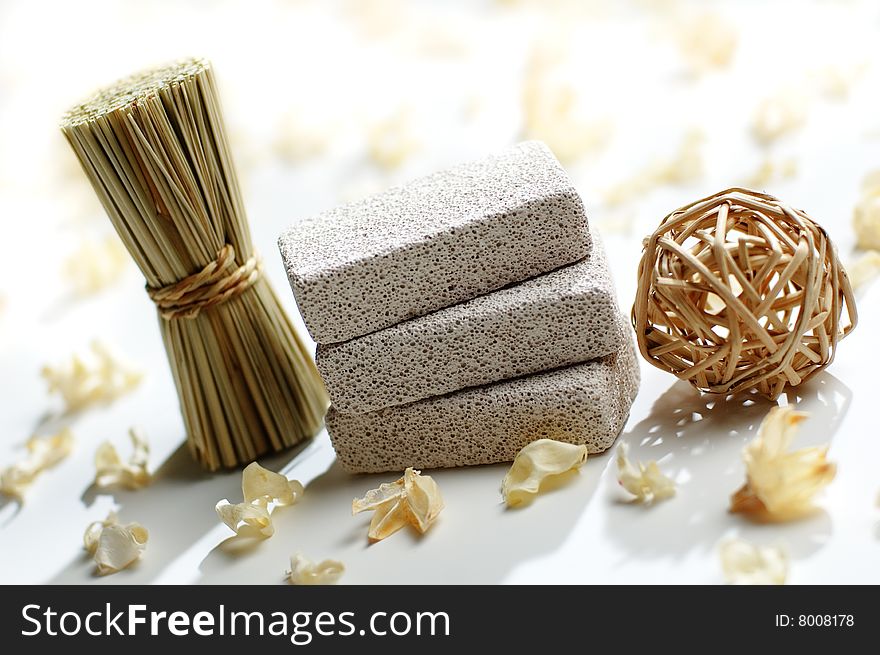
740,292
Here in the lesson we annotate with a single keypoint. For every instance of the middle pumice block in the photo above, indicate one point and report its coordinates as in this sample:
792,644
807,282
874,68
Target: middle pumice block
557,319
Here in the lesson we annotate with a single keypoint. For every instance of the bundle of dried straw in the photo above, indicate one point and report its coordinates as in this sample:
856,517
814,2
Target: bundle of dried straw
154,148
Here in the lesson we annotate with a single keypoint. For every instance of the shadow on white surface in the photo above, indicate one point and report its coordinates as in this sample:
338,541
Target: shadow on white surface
475,540
697,439
167,509
8,517
177,509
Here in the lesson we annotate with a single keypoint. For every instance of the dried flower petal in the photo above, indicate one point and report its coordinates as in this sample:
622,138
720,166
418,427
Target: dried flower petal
253,515
259,487
644,481
864,269
683,167
780,485
536,462
551,111
866,215
302,136
423,499
258,482
778,116
392,141
412,500
42,453
111,470
95,265
85,383
746,564
305,572
375,497
388,518
772,170
706,41
114,546
836,82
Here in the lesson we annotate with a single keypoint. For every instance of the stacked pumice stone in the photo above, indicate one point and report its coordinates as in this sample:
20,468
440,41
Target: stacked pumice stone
463,315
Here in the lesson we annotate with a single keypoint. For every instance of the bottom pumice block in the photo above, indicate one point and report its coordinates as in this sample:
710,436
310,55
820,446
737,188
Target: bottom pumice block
583,404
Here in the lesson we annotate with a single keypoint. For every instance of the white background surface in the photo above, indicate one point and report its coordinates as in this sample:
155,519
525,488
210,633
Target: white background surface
457,69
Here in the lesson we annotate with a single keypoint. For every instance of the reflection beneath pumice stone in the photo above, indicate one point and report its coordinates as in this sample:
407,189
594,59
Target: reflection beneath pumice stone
698,440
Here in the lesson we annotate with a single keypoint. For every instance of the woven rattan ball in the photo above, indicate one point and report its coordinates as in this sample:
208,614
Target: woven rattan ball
740,292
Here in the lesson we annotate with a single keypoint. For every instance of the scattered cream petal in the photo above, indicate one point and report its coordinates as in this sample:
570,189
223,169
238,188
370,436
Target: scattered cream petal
644,481
864,269
110,470
95,265
866,215
378,19
387,491
780,484
440,36
771,170
423,499
535,463
618,221
85,382
684,167
836,82
114,546
778,116
423,32
305,572
412,500
551,108
388,518
301,137
259,487
392,141
746,564
706,41
258,482
871,183
42,453
253,515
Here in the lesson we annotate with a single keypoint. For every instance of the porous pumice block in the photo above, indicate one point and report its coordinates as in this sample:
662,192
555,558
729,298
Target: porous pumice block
583,404
434,242
560,318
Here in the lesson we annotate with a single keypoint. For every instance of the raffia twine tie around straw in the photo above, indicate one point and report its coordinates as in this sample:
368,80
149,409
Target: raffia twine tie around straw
212,285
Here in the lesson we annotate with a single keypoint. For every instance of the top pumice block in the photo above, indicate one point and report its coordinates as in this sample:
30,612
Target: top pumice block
434,242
